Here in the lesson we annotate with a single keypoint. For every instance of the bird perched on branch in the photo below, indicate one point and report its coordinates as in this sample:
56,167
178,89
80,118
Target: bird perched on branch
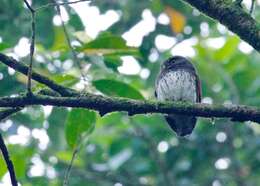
178,81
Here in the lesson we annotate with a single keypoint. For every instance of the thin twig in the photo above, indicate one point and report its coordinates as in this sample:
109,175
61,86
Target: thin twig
8,162
60,4
80,142
32,46
74,54
68,171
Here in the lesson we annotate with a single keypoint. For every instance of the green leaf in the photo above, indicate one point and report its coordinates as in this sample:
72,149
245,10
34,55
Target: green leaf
65,156
75,21
62,79
108,44
82,36
116,88
60,42
112,61
56,121
4,46
65,79
3,168
79,121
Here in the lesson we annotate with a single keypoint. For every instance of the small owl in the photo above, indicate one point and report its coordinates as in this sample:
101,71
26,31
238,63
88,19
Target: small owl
178,81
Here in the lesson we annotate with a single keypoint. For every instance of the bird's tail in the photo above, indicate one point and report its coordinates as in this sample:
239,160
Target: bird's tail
182,125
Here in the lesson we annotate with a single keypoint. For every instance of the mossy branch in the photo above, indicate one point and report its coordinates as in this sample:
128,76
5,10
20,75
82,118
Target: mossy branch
233,16
104,105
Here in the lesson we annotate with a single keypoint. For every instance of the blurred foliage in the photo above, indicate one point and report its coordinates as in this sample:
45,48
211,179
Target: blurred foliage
123,150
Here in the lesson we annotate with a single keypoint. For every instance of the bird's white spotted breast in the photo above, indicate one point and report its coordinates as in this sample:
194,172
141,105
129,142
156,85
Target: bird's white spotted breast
178,85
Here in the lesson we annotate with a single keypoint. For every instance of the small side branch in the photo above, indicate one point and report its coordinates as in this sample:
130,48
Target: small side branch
60,4
8,162
32,47
68,171
73,52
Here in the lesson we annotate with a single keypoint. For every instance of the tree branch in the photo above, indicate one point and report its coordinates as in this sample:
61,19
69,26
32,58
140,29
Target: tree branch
32,46
233,17
8,162
104,105
59,4
7,112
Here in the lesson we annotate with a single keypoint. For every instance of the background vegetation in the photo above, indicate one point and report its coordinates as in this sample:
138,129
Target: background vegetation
123,59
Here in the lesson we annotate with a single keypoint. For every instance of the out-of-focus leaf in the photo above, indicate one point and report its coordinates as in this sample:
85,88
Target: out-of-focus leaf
60,42
120,158
177,19
112,61
75,21
45,31
56,121
156,6
79,121
66,80
108,44
3,168
116,88
4,46
62,79
82,36
65,156
228,49
20,157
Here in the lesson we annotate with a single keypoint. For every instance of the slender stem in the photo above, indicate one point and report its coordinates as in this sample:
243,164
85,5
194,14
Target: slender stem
57,3
32,47
80,143
68,171
8,162
74,54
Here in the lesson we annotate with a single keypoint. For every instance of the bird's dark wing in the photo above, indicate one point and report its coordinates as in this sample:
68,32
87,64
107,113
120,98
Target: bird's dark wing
155,93
198,89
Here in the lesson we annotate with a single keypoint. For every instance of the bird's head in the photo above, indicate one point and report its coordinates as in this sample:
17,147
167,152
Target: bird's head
176,62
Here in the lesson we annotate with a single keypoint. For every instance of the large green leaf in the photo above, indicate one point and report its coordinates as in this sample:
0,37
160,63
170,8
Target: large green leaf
116,88
79,121
108,44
